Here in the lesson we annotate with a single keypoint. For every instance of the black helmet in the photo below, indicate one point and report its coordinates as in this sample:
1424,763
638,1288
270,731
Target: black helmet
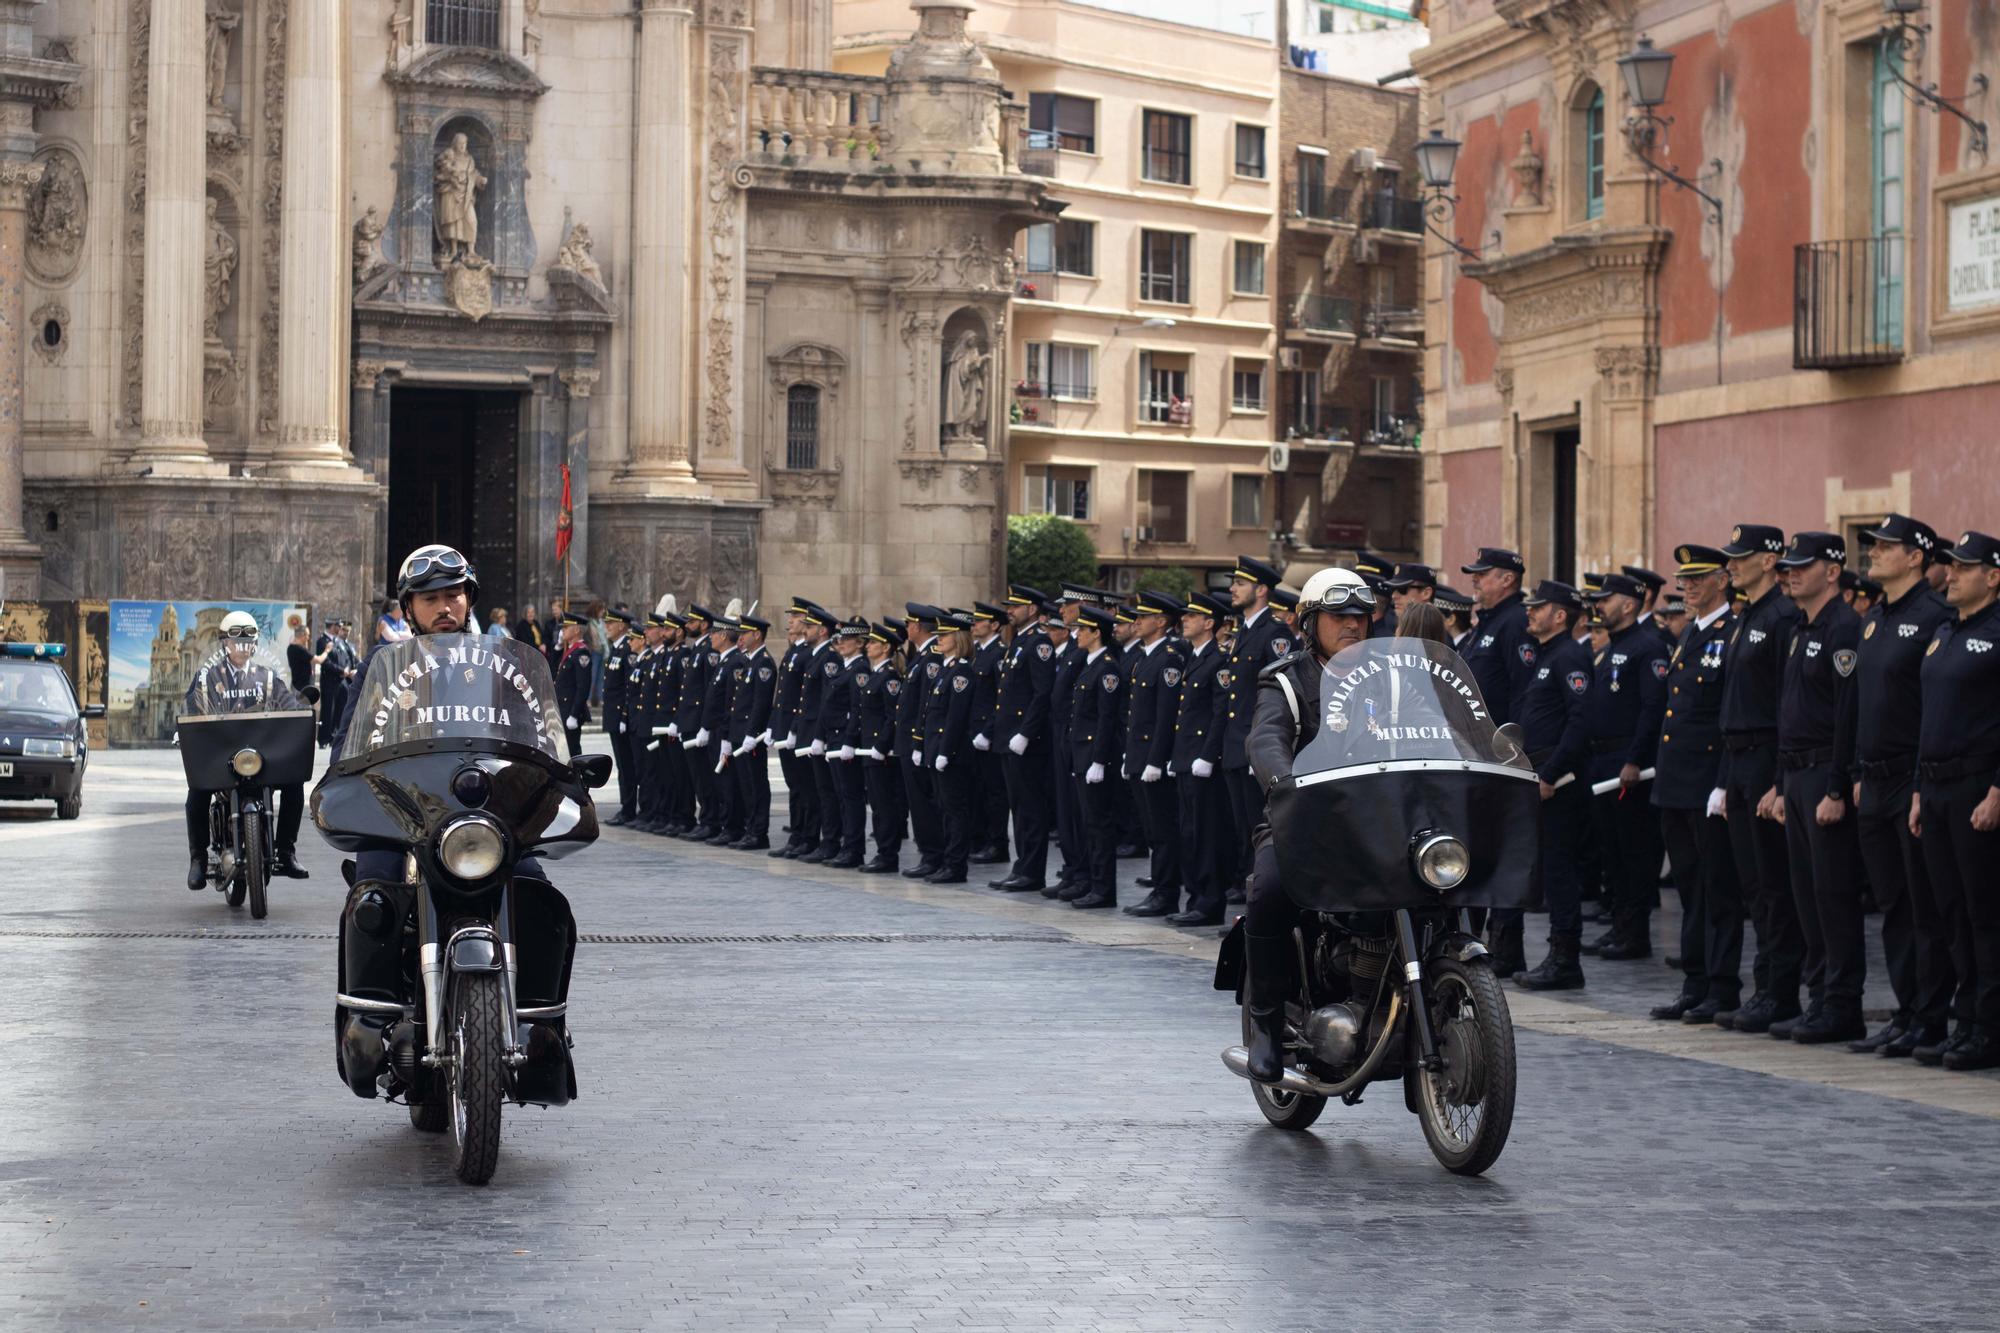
431,568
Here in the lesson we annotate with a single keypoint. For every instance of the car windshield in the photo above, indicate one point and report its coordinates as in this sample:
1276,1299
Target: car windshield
456,687
1391,700
37,688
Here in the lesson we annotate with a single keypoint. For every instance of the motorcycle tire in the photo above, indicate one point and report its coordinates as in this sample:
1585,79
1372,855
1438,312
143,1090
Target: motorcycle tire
433,1114
478,1076
1467,1107
255,872
1287,1110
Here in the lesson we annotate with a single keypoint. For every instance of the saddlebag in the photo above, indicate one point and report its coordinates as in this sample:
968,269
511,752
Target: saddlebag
371,968
544,951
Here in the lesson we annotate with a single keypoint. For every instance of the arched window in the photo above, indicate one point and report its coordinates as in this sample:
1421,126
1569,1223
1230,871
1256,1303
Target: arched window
1589,141
802,427
463,23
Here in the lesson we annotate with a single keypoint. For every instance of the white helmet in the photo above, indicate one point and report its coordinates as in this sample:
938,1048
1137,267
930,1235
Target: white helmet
236,622
1341,591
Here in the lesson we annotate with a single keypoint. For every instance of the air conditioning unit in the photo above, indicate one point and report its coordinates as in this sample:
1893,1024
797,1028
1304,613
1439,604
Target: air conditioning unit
1367,248
1125,579
1288,358
1364,161
1281,456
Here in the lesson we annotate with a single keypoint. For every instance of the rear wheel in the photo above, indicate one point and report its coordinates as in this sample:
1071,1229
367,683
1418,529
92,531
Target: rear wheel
255,871
69,807
1467,1105
1287,1110
478,1083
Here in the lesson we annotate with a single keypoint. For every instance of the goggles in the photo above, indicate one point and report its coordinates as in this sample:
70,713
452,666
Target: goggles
1341,595
447,562
241,633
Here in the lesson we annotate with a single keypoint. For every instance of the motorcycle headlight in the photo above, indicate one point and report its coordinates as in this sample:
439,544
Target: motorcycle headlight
471,849
247,763
1442,861
48,747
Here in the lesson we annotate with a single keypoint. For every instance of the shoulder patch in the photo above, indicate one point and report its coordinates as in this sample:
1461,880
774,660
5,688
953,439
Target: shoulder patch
832,668
932,668
1045,651
763,673
1110,679
1222,678
1171,676
1843,661
1579,681
1527,651
958,683
1279,647
1660,667
893,685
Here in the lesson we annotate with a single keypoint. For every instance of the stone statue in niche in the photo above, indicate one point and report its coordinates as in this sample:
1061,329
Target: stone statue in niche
966,371
56,215
1527,169
575,255
220,24
457,214
219,269
367,242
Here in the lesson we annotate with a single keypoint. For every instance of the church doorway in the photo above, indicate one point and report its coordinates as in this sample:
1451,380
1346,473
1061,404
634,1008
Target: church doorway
454,461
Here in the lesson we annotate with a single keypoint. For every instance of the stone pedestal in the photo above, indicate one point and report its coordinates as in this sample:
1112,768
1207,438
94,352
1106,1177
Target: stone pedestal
697,550
20,558
170,441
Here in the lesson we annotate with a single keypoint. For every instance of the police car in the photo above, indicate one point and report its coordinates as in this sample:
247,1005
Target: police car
43,745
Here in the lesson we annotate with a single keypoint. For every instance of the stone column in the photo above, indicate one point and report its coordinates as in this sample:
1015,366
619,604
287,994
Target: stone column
577,384
314,265
20,558
663,171
176,236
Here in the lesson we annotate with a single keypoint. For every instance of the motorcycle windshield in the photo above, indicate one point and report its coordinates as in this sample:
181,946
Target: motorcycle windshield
221,687
456,687
1406,702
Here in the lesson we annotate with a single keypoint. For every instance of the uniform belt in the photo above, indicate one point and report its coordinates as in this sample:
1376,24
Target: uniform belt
1885,770
1944,770
1749,740
1805,758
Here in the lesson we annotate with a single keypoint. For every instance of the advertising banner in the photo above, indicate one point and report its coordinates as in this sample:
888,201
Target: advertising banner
156,647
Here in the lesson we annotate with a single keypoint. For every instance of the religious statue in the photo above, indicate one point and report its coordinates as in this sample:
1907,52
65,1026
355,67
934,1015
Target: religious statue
457,214
367,235
219,265
965,388
220,24
531,28
56,216
575,255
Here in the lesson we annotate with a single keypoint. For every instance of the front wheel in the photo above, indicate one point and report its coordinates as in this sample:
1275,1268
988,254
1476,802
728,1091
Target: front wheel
478,1082
69,807
1287,1110
254,872
1467,1104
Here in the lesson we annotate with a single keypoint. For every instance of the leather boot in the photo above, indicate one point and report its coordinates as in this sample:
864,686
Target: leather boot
198,871
1508,954
1560,970
1270,977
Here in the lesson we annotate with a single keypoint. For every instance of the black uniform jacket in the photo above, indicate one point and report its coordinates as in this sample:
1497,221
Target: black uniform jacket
573,682
948,710
1097,714
834,697
785,702
813,677
1027,675
1750,692
1501,655
750,698
1553,715
1876,743
1196,735
618,683
877,690
1065,663
1627,698
716,705
916,692
1257,645
1691,729
1819,677
986,659
697,662
1152,699
1961,681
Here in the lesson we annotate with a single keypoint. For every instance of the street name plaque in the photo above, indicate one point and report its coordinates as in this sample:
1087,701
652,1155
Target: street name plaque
1972,255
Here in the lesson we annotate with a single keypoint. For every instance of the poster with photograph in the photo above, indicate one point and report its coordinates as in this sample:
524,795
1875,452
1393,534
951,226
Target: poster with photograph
156,647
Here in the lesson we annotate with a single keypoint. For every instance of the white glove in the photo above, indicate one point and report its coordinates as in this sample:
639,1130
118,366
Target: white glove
700,739
917,758
818,749
1170,770
652,745
674,730
726,749
621,728
570,722
876,755
1018,743
1718,801
980,742
1094,774
792,740
722,763
764,737
1150,773
846,753
942,760
1201,768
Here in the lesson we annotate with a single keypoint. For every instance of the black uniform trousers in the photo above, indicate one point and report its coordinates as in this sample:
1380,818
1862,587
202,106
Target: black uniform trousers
628,769
1704,870
653,802
1826,890
753,792
1159,807
1961,861
1913,938
1097,811
803,818
885,804
990,776
680,782
1202,809
1564,816
1629,833
827,838
1028,793
574,735
852,784
958,803
699,767
926,820
1246,808
284,837
1125,810
1758,847
1069,815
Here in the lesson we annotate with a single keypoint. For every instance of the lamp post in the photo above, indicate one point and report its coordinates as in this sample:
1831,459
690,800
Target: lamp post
1903,38
1437,160
1646,71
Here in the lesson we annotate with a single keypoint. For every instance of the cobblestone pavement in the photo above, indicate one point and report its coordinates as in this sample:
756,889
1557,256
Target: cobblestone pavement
899,1107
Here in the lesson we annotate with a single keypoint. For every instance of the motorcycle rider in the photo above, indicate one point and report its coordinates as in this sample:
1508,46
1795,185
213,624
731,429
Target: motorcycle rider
233,682
1335,610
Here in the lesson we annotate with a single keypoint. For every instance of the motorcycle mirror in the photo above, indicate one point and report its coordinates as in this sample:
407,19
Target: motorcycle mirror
1509,742
594,769
93,710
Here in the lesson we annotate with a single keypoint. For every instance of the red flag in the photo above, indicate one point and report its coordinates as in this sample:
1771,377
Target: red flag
565,520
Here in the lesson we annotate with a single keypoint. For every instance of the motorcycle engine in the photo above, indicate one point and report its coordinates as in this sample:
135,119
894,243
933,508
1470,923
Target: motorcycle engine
1334,1030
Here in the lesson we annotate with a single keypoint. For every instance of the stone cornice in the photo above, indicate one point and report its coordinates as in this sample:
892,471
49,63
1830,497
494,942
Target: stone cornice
470,70
31,79
1571,254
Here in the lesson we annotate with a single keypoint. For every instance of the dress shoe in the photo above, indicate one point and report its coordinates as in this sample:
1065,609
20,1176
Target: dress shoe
1893,1029
748,844
1559,971
1153,904
785,853
1602,942
1144,881
1080,889
921,870
1092,900
1057,889
879,866
811,858
947,877
1916,1035
1784,1025
1619,951
1833,1022
721,838
1759,1014
1128,850
1706,1011
1672,961
287,864
843,863
988,857
1019,884
619,820
1197,916
1677,1010
1235,894
198,871
1933,1055
1978,1051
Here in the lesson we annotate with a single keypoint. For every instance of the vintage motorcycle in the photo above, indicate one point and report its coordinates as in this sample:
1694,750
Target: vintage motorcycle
242,750
1405,815
454,781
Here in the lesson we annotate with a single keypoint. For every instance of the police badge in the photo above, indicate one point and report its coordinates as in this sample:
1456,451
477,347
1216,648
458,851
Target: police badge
1843,661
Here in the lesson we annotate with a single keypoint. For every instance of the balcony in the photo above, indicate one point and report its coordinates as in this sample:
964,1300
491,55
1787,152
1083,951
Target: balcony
1386,211
1393,433
1315,204
1039,153
825,122
1321,317
1847,303
1318,421
1392,328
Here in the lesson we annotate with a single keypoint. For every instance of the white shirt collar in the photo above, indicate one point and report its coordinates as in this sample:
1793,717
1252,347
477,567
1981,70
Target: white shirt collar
1093,657
1256,615
1703,622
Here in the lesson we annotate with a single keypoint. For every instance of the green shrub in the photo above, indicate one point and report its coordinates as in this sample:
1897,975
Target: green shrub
1046,550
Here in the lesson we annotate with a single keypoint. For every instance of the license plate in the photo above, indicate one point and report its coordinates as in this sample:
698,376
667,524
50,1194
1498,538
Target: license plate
6,770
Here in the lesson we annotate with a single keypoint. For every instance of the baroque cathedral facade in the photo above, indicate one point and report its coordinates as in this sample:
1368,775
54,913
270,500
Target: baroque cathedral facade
289,287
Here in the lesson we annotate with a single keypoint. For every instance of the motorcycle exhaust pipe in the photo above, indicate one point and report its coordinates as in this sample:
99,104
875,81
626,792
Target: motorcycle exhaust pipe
1238,1060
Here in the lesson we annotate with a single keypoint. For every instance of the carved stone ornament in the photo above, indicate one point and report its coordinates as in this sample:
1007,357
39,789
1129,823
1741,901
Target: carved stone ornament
468,285
576,257
1503,381
49,316
456,215
219,258
971,265
221,391
1574,302
1527,169
58,212
368,245
20,183
966,374
1627,371
62,51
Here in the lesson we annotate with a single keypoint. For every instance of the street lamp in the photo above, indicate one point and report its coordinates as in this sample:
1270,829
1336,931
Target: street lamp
1646,71
1903,44
1437,160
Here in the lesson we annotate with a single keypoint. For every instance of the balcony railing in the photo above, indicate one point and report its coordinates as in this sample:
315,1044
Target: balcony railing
1323,314
1319,421
1387,211
1847,303
1315,201
832,122
1040,152
1400,322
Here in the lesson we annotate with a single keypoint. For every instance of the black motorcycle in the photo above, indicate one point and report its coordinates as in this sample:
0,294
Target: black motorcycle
1408,813
242,758
453,992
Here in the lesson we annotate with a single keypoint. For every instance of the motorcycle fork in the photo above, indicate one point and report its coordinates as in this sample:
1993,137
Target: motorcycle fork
431,966
1413,978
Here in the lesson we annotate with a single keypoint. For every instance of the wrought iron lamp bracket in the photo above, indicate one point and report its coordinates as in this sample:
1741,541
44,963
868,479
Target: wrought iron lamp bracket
1643,130
1903,42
